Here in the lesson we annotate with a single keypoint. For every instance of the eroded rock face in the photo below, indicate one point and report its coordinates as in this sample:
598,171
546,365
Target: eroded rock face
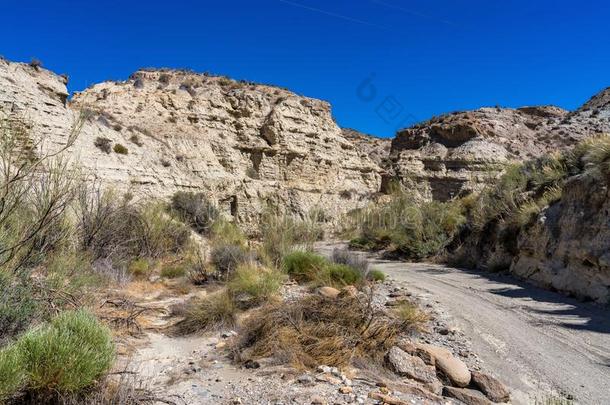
568,248
244,145
459,153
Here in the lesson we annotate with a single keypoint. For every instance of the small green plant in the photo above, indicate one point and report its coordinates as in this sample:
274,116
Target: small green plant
68,355
216,310
225,232
139,268
304,266
18,306
135,139
120,149
173,271
103,144
12,372
256,283
376,275
338,275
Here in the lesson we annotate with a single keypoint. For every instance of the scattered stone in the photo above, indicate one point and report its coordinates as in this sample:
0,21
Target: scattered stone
252,364
346,390
324,369
328,379
386,399
451,366
306,379
229,334
328,292
491,387
318,400
221,345
466,395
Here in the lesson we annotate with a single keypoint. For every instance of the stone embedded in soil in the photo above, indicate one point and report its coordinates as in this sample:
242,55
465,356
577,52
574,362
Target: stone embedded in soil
467,396
409,366
491,387
328,292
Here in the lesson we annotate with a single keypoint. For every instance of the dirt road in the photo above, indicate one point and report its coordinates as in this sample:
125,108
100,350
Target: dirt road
538,342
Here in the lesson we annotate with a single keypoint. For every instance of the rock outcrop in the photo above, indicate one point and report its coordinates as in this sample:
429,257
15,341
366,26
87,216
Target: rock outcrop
568,248
245,145
459,153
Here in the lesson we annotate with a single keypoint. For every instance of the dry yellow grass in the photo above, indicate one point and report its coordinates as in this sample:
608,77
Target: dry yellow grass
316,330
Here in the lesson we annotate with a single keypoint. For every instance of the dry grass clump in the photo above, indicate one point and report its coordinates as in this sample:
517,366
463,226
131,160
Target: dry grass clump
410,314
217,310
317,330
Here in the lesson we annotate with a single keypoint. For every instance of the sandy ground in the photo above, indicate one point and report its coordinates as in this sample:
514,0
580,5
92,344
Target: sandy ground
537,342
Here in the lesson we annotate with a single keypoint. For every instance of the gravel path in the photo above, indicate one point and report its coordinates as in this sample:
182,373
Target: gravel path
538,342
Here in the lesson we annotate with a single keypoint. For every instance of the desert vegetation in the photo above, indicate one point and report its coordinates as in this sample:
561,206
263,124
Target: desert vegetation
420,229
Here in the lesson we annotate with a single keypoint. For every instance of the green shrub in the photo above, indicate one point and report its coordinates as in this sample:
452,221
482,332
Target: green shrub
304,266
173,271
217,310
339,275
226,258
376,275
18,307
257,283
410,227
139,268
120,149
281,234
195,210
225,232
12,372
68,355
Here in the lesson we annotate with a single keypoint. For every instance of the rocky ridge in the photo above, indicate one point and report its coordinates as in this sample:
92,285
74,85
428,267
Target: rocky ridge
244,145
458,153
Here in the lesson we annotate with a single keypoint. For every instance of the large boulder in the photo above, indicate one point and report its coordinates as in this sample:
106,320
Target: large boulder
413,367
452,367
491,387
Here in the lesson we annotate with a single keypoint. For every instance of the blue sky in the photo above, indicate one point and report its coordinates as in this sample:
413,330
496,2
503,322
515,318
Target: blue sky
381,63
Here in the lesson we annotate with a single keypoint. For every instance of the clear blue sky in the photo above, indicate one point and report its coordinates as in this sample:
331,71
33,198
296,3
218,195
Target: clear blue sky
426,57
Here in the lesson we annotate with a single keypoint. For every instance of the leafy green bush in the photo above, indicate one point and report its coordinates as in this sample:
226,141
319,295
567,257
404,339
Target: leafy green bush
195,210
304,266
12,372
257,283
120,149
67,355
